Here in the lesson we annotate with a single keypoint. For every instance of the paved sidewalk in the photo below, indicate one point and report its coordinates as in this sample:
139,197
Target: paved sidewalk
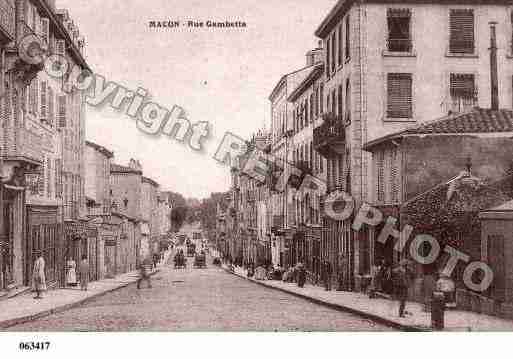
25,308
385,311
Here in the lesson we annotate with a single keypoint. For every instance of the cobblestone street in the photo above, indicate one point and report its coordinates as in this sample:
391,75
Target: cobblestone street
202,300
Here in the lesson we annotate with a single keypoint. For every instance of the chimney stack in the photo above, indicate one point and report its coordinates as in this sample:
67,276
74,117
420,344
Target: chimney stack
494,82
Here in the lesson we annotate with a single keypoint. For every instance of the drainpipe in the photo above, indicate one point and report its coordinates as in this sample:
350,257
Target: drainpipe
493,67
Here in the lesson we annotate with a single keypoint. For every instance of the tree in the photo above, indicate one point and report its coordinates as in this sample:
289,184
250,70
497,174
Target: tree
177,217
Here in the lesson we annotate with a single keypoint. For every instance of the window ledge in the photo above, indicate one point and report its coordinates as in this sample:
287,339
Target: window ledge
461,55
387,53
398,119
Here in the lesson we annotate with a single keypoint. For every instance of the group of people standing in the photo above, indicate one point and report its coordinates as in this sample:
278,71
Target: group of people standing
39,274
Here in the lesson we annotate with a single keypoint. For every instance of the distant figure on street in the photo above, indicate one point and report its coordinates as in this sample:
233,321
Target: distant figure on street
401,277
156,259
71,272
301,275
144,274
84,273
38,276
327,275
260,273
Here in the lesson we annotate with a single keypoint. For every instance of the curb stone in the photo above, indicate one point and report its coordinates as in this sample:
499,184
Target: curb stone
340,307
12,322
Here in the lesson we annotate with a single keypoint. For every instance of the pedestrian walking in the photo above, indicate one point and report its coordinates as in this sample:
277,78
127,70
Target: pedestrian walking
84,273
328,272
156,258
38,276
401,278
71,272
377,278
144,274
301,275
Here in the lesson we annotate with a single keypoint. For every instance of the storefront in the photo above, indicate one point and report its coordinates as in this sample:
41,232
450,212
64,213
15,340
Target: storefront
44,234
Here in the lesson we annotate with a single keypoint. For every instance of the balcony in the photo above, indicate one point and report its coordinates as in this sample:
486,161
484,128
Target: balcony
457,105
329,139
7,28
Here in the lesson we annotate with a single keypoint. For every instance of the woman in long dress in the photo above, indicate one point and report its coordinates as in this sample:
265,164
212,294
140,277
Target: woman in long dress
71,274
84,273
38,276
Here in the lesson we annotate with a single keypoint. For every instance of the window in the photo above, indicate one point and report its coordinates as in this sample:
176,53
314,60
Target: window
328,56
394,175
399,38
340,101
333,53
321,99
306,109
51,98
312,110
348,37
340,46
463,92
348,102
399,95
61,111
380,178
461,26
334,101
43,101
328,102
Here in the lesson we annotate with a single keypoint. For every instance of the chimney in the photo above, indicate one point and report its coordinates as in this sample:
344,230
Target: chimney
494,82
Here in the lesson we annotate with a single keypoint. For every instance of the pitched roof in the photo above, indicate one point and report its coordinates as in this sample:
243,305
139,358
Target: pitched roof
315,73
101,149
479,120
150,181
115,168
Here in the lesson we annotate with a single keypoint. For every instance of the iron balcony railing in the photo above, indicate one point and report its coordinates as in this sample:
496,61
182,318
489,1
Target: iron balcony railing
399,45
330,135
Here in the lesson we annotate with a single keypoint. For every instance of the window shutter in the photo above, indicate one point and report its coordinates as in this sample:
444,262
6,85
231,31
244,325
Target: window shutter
50,106
41,178
333,53
348,38
394,175
312,109
61,111
328,57
43,101
463,85
462,31
49,178
321,98
60,47
380,169
45,29
348,102
340,100
399,92
340,46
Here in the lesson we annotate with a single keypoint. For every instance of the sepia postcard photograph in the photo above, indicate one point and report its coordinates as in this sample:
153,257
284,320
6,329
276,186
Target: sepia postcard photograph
254,171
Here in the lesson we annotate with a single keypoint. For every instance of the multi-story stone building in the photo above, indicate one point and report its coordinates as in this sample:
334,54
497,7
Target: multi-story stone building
42,142
306,100
280,155
383,74
149,218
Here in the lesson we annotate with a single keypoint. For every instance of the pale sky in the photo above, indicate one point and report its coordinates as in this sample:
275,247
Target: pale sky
223,76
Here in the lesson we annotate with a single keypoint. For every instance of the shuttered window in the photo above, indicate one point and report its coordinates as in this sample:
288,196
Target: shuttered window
43,101
41,178
51,100
312,108
334,101
463,86
321,98
399,94
399,39
306,110
461,31
328,57
61,111
340,46
49,178
380,178
348,38
340,101
45,29
333,53
348,102
394,175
